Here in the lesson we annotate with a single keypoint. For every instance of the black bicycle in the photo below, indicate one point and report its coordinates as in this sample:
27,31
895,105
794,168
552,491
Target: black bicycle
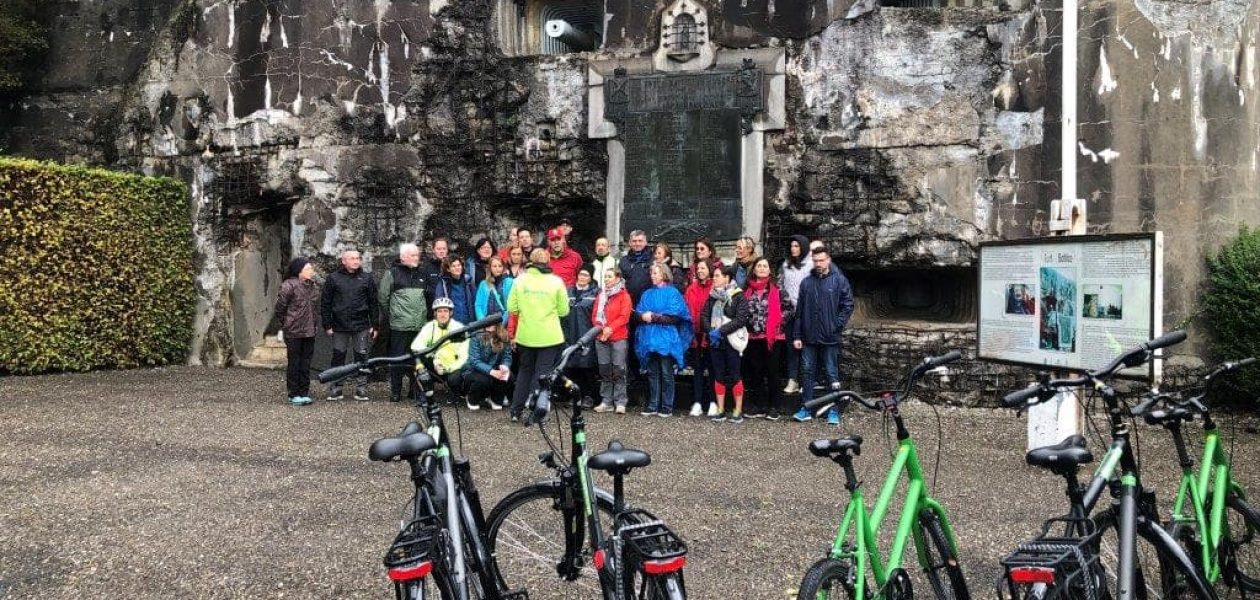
441,549
1074,554
551,535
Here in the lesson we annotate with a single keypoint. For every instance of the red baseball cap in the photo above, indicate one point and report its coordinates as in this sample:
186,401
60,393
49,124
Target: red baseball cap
555,234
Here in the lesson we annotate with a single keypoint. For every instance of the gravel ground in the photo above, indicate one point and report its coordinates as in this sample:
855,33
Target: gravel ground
196,483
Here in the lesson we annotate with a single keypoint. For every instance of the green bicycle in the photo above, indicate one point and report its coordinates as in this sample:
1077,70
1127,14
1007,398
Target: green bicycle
1219,530
843,573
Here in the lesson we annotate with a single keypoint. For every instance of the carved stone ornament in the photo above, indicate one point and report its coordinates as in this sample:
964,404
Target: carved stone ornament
684,43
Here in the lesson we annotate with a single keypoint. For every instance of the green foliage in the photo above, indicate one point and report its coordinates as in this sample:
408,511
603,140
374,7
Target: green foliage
1232,304
22,41
97,268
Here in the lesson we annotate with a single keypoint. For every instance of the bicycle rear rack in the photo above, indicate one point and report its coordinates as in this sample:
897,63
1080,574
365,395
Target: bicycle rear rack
417,542
1067,566
648,542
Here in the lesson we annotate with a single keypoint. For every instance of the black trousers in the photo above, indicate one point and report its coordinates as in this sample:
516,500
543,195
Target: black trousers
761,376
534,362
479,386
400,343
297,377
587,380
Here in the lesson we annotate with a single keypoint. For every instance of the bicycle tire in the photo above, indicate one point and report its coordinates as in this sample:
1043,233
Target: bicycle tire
665,587
1156,576
937,548
1240,555
525,533
823,577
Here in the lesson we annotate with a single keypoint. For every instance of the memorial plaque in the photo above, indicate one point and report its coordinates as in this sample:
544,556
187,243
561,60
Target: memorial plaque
682,139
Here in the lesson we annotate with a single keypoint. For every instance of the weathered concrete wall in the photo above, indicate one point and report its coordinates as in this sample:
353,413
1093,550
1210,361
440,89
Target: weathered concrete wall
912,134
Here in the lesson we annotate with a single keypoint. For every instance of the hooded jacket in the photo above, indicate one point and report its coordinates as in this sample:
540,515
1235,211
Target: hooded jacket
348,303
824,308
296,306
538,301
460,291
403,299
669,333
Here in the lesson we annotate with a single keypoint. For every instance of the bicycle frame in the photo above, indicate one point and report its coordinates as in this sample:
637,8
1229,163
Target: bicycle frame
1214,477
867,526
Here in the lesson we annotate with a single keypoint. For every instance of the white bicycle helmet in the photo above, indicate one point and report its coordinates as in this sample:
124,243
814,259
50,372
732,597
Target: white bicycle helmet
443,302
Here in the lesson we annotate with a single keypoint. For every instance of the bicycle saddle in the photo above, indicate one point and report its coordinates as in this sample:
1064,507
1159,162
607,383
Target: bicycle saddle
618,460
401,447
1062,457
849,444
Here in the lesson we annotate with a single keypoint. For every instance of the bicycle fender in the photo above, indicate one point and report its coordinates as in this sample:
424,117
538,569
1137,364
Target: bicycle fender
1164,542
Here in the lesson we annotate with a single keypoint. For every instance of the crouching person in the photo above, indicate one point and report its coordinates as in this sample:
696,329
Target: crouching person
450,358
487,375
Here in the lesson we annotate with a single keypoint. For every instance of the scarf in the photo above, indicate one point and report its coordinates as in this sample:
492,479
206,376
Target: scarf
601,303
763,301
721,297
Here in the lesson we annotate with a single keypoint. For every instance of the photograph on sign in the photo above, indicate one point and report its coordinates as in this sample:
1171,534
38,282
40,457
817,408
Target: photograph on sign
1068,302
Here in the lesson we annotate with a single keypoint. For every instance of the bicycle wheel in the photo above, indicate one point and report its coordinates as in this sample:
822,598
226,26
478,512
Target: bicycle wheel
828,579
665,587
941,559
1156,575
1240,552
526,537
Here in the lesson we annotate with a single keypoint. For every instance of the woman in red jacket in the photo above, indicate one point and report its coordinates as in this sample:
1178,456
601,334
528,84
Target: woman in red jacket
698,355
612,312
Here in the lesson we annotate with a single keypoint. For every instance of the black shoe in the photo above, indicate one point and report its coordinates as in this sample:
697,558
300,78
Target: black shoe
516,418
395,398
773,415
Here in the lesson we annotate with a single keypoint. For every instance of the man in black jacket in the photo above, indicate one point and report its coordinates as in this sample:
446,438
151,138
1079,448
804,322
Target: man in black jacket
348,309
823,308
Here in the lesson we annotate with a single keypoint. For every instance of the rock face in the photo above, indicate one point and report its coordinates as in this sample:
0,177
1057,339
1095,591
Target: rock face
911,135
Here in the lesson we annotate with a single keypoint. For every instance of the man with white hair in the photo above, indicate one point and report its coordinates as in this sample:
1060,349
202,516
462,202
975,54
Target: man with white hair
348,311
404,310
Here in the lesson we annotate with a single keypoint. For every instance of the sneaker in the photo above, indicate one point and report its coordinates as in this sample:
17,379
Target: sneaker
736,418
494,405
471,405
621,410
516,418
696,410
802,415
300,400
335,395
665,414
833,416
792,387
713,410
773,415
718,418
360,395
835,386
755,415
648,413
603,407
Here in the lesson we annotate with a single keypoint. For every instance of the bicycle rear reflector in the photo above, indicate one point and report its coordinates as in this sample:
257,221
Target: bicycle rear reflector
418,571
599,559
669,565
1030,575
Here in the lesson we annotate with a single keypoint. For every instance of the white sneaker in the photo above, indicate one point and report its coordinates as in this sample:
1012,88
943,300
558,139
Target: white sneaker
696,410
713,410
792,387
472,405
621,410
494,405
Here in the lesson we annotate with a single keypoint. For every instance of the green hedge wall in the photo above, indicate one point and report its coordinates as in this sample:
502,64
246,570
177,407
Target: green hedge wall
1232,305
96,269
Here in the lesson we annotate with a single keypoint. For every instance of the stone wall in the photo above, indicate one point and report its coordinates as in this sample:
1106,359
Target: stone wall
911,135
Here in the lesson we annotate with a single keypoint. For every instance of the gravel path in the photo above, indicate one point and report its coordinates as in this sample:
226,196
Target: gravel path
197,483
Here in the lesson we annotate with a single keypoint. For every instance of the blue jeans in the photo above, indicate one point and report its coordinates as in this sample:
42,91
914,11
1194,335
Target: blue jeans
811,355
660,383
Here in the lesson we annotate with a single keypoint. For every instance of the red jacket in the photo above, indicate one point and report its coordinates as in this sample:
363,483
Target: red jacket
617,314
566,266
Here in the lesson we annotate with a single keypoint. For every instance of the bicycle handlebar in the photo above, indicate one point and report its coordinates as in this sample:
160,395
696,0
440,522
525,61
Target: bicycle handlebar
1133,357
540,398
1195,402
918,370
344,371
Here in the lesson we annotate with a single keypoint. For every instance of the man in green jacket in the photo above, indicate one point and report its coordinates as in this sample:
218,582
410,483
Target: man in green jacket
537,303
405,310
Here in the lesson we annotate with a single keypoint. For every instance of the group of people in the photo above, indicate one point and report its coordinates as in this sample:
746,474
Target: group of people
736,330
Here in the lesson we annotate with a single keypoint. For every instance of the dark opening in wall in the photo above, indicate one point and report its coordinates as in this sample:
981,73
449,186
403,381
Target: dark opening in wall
531,27
945,295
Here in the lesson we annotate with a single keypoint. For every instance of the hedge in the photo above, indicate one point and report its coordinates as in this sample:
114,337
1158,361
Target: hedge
1232,305
96,269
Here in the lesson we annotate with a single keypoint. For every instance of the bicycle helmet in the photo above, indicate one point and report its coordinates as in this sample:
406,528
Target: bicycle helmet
443,302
